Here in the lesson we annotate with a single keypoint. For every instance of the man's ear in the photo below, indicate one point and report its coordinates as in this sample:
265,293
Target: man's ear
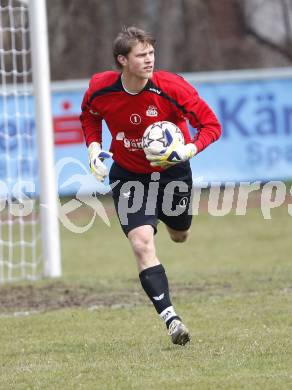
122,60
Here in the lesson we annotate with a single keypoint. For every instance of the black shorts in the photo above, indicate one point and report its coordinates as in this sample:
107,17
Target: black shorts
143,199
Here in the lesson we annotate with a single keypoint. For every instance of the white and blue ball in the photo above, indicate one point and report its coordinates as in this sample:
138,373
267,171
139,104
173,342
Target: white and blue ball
159,136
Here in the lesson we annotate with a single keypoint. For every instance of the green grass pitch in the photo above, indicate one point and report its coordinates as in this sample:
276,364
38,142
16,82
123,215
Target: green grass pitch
95,329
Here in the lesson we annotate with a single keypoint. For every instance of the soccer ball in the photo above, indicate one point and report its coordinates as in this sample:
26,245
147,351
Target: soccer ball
156,139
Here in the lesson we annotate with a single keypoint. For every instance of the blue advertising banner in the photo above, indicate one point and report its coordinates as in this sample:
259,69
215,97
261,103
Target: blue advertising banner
256,144
256,118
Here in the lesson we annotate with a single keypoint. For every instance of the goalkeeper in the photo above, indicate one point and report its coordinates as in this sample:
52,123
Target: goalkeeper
129,100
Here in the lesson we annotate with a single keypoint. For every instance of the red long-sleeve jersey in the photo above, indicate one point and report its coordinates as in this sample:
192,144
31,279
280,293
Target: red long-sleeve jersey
165,97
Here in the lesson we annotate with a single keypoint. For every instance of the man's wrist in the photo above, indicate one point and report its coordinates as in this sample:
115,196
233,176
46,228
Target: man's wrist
192,150
94,147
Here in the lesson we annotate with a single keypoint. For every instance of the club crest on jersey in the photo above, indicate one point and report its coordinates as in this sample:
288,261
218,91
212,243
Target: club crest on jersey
152,111
135,119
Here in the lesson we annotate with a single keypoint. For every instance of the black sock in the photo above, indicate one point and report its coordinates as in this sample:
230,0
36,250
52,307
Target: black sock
155,284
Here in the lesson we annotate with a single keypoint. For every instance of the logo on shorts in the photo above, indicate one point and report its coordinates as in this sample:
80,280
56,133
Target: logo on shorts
135,119
152,111
127,194
183,202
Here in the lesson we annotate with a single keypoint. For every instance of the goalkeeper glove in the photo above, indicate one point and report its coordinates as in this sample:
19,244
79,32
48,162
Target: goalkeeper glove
176,153
96,157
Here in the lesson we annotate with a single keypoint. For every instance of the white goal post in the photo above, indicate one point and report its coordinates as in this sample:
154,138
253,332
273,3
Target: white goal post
29,228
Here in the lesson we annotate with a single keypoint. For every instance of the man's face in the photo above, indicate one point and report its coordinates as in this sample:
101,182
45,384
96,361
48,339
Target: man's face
140,61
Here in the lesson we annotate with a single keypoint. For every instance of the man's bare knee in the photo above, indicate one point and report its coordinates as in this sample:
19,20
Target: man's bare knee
178,236
141,245
142,242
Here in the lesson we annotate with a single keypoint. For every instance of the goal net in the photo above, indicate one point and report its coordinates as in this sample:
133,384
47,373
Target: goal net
26,229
